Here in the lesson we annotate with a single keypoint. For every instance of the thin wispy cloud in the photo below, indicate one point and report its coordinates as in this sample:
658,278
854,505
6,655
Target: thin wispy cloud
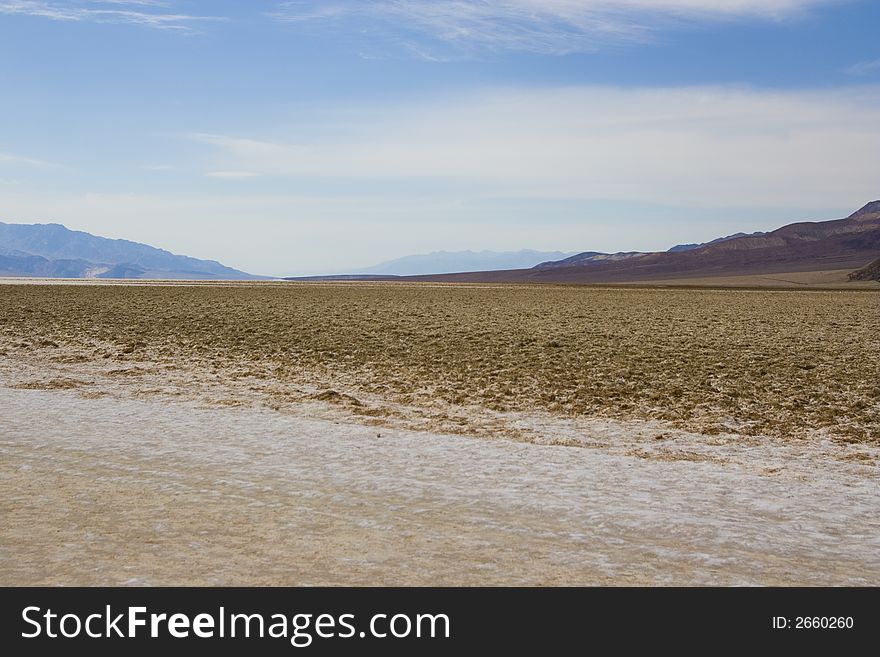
233,175
554,27
871,67
155,14
693,145
11,158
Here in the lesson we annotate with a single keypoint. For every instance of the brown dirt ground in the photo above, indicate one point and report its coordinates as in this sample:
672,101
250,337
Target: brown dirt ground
780,364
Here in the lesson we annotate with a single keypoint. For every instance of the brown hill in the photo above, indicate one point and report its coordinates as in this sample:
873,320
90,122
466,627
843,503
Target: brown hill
841,244
868,273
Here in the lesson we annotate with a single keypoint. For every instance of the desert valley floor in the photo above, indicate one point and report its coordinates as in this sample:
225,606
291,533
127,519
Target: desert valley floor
438,434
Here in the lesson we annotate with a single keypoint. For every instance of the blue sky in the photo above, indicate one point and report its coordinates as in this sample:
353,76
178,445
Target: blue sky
299,137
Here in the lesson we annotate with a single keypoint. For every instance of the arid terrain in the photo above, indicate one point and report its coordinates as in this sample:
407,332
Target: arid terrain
424,433
758,363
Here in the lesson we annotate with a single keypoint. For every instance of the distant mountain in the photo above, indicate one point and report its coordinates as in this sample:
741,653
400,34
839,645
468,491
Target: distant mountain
590,258
869,212
442,262
691,247
837,245
53,251
597,258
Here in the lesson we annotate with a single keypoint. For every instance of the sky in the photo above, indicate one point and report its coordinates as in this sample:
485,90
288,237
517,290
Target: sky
298,137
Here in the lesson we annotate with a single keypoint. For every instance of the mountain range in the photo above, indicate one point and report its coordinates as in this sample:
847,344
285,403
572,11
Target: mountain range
597,257
444,262
53,251
691,247
844,249
840,245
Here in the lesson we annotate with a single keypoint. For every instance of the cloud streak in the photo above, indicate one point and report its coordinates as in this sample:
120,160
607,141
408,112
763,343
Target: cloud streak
233,175
11,158
865,68
554,27
711,146
148,13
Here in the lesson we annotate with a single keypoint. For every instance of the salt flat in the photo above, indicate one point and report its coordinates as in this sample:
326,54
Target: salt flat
437,434
114,490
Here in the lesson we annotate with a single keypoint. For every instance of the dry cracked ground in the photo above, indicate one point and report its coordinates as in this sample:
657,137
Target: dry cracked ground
423,434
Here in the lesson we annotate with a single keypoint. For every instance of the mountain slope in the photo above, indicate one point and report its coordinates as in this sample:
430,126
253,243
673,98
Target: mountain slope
53,250
870,272
691,247
32,265
596,257
801,247
590,258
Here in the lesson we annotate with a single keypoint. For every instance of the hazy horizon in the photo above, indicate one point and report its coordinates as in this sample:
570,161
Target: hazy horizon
290,138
